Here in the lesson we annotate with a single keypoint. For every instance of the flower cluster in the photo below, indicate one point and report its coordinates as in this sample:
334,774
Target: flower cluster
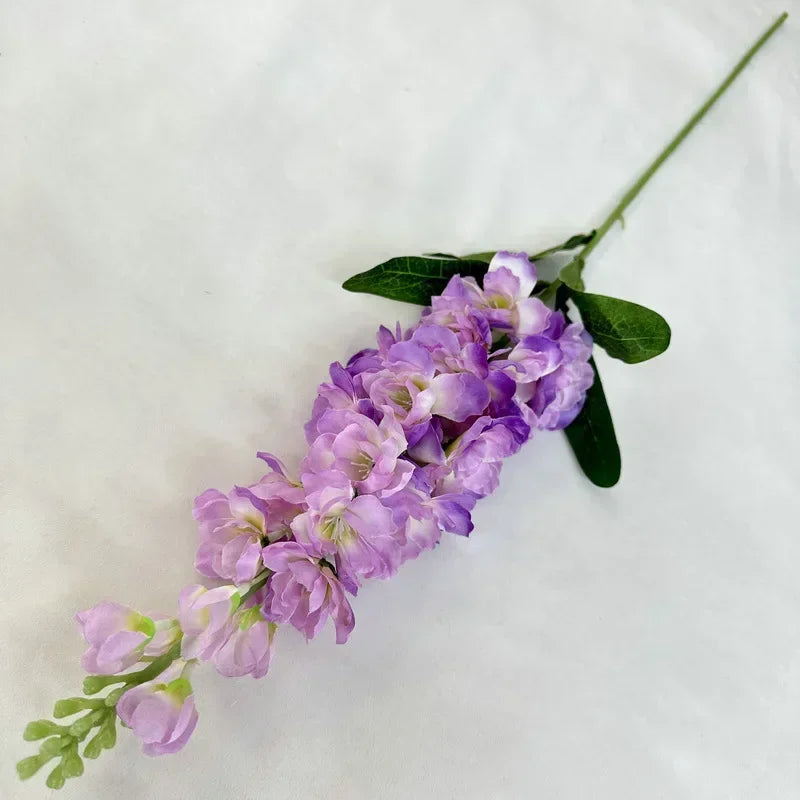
402,441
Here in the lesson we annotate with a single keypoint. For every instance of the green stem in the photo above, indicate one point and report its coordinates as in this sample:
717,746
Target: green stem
92,684
154,669
631,194
559,248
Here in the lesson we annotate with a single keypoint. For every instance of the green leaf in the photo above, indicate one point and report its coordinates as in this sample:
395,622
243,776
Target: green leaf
413,279
28,767
592,437
624,330
571,274
578,240
574,241
486,256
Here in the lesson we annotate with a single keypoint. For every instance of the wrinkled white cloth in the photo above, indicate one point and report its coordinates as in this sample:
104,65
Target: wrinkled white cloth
183,187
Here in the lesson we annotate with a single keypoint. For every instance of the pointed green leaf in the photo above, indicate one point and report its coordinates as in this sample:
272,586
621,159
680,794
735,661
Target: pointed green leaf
577,240
571,274
624,330
592,437
413,279
486,256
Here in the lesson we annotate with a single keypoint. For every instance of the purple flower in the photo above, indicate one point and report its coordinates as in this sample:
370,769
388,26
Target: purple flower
117,636
454,310
161,712
358,531
449,354
205,618
283,498
422,518
560,356
410,389
425,445
533,358
367,453
504,299
304,592
502,389
248,650
167,632
475,458
341,394
232,527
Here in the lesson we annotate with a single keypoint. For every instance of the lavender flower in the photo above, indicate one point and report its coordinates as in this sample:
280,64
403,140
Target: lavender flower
232,527
409,387
161,712
475,458
248,650
304,592
368,454
561,357
449,354
340,394
402,442
205,618
117,636
422,517
503,301
358,531
454,311
167,632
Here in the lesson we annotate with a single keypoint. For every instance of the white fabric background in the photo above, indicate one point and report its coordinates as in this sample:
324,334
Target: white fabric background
183,187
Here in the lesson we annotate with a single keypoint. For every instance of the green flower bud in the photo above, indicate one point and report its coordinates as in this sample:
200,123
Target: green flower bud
180,689
94,746
29,766
40,728
72,705
72,765
53,746
108,732
55,780
112,697
145,625
83,725
92,684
